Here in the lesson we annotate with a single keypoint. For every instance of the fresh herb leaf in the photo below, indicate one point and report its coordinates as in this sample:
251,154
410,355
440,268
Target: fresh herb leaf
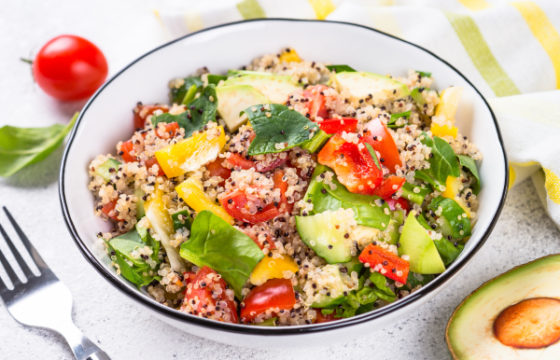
394,117
324,198
444,162
468,162
193,119
382,289
448,251
415,279
20,147
281,126
317,142
178,94
327,311
340,68
184,222
189,96
215,79
373,155
220,246
424,74
453,213
426,176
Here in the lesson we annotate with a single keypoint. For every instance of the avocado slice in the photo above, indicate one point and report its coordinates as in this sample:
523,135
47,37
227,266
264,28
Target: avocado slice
474,329
337,287
232,100
419,246
276,88
326,234
362,84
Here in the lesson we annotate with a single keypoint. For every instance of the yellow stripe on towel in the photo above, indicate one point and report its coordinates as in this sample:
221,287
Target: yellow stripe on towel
552,185
476,5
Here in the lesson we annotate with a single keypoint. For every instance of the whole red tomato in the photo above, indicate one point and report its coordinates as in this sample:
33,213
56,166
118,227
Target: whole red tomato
70,68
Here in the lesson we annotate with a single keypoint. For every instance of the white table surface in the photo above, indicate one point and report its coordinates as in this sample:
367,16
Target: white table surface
125,29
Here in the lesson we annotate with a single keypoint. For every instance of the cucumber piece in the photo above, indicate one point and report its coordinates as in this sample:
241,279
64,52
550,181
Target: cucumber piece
416,197
422,221
104,170
419,246
140,212
452,213
317,142
320,233
416,95
182,219
397,219
362,84
337,287
275,87
448,251
232,100
353,265
268,322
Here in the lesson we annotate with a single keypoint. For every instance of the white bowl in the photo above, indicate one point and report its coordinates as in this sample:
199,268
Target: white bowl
107,119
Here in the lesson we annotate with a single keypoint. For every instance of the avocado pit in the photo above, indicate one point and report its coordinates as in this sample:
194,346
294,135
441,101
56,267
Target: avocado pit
529,324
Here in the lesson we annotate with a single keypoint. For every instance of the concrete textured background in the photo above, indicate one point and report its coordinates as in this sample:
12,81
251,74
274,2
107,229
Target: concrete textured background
125,29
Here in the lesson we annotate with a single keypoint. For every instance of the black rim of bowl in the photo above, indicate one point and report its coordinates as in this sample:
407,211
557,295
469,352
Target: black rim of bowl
260,330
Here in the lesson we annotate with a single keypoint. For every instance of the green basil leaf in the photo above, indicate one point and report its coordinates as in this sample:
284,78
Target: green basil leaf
394,117
184,222
448,251
444,162
340,68
220,246
193,120
20,147
215,79
178,93
365,211
468,162
373,155
424,74
282,126
131,273
453,214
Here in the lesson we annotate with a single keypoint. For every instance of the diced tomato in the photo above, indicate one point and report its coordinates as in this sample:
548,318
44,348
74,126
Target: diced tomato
389,186
235,203
153,161
380,139
404,204
324,318
392,266
171,129
208,292
141,113
188,278
332,126
273,294
352,163
217,169
126,149
109,210
242,162
315,101
254,235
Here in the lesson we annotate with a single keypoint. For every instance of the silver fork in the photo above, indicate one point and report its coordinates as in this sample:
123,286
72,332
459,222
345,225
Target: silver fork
43,301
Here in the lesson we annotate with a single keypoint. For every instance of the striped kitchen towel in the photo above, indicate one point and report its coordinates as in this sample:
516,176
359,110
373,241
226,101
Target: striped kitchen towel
509,49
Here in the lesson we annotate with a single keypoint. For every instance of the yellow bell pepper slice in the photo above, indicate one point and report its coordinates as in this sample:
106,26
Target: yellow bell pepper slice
192,193
452,189
191,153
290,56
445,130
270,268
447,107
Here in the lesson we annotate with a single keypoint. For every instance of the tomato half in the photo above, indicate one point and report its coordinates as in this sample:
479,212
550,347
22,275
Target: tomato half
332,126
153,161
275,293
217,169
141,113
315,101
379,137
392,266
126,148
206,296
352,163
70,67
109,210
389,186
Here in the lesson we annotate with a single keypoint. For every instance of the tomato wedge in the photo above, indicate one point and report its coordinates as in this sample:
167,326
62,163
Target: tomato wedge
273,294
242,162
379,137
153,161
352,163
404,204
141,113
109,210
324,318
217,169
389,186
332,126
392,266
315,101
206,296
172,129
126,149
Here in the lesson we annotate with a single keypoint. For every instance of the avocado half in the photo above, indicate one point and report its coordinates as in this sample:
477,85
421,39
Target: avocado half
513,316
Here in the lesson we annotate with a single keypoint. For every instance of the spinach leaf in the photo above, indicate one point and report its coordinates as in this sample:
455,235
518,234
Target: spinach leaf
150,241
425,175
178,93
228,251
184,221
200,112
468,162
340,68
453,214
365,211
444,162
373,155
422,221
136,238
394,117
424,74
131,273
276,124
20,147
448,251
383,291
215,79
415,279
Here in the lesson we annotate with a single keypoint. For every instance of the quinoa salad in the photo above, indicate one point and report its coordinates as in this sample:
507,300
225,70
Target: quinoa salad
288,191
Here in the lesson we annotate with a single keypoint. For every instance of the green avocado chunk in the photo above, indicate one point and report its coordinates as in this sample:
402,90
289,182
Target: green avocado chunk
362,84
276,88
232,100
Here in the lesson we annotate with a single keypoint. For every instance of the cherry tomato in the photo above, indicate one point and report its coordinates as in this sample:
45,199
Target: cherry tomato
332,126
217,169
392,266
242,162
151,162
315,101
141,113
275,293
126,148
206,296
389,186
394,204
324,318
172,129
109,210
352,164
69,67
379,137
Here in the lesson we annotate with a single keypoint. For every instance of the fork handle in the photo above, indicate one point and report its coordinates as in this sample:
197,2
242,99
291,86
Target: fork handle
82,347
